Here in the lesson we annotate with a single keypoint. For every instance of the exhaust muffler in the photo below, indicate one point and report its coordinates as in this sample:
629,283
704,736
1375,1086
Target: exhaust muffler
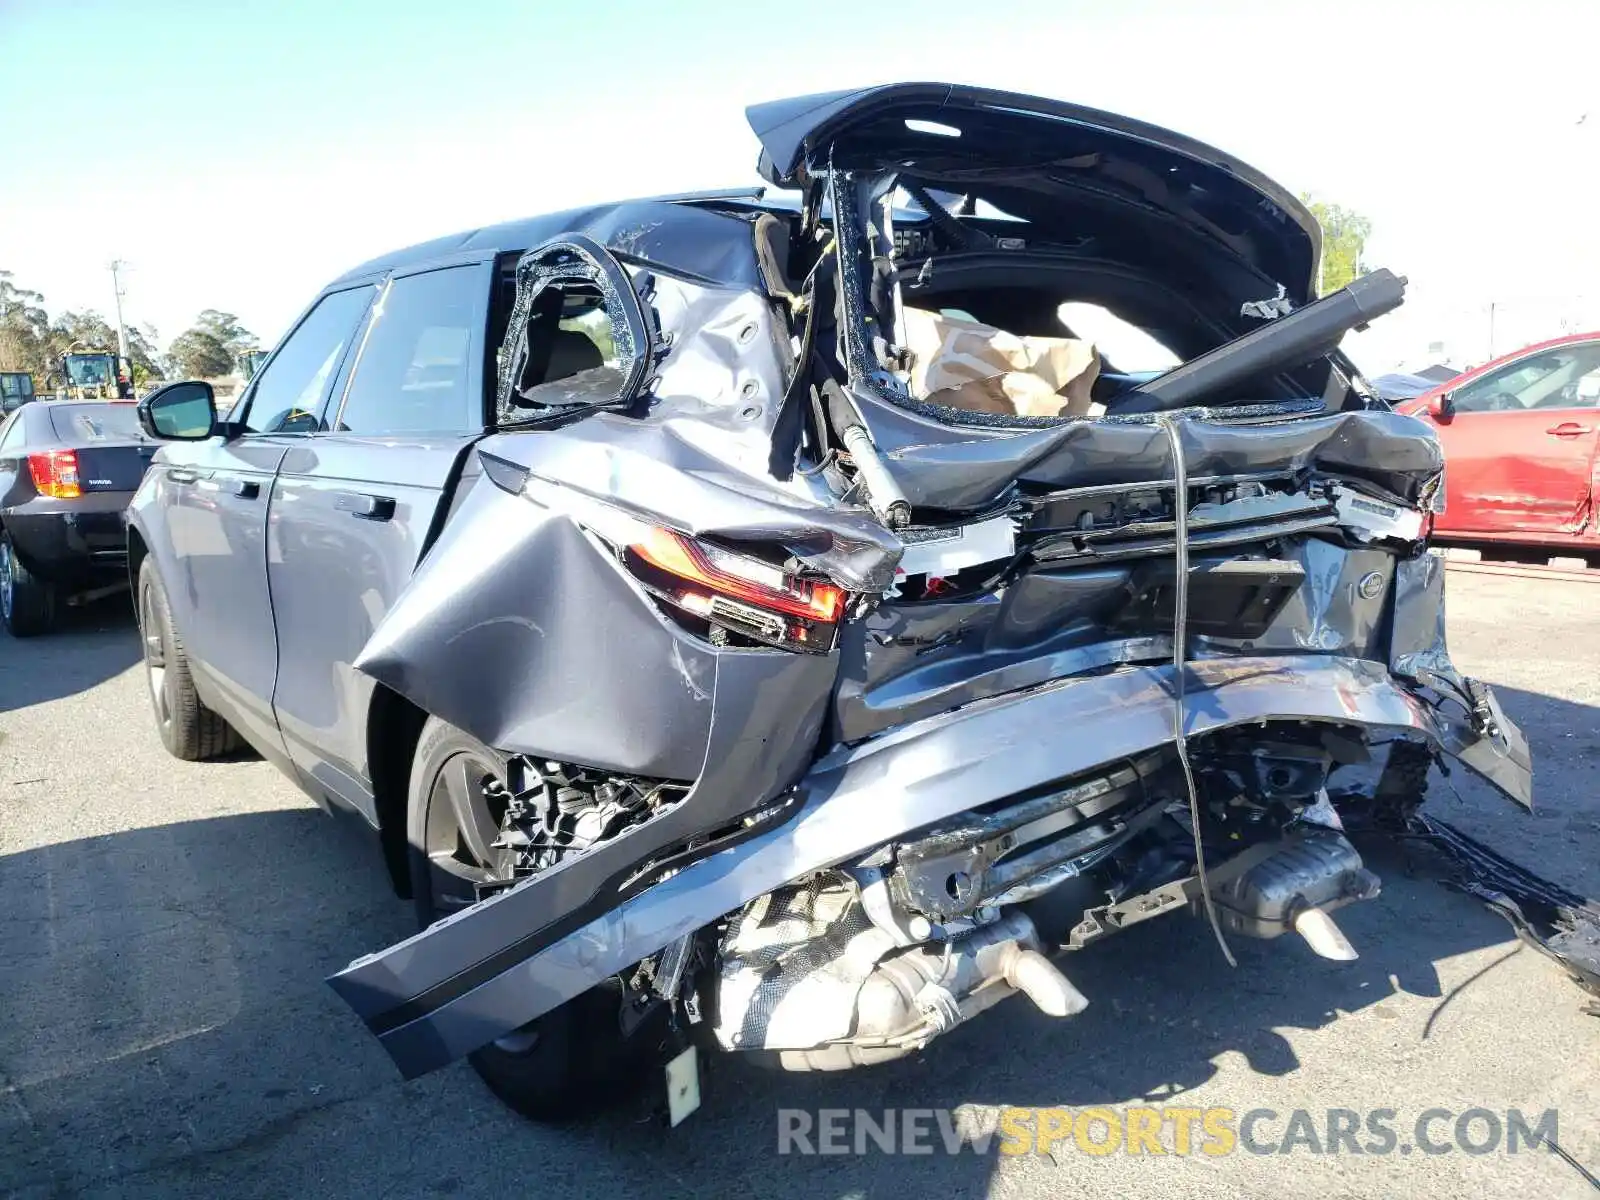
831,1018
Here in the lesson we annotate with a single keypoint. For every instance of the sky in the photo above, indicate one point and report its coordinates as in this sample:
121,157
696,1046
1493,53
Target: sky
239,156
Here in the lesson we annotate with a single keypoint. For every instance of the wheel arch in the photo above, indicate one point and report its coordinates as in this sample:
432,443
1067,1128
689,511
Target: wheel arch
22,555
394,724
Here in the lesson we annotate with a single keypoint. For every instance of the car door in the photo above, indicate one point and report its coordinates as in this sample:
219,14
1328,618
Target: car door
215,518
354,504
1520,444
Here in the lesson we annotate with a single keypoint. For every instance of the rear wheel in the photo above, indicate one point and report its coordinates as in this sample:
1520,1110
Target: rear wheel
573,1060
188,729
27,603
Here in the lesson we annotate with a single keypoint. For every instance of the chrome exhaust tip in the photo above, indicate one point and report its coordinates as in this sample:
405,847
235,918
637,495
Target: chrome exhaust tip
1037,978
1324,937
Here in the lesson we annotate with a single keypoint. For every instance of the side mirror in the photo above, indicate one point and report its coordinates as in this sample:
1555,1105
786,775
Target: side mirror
180,412
1441,407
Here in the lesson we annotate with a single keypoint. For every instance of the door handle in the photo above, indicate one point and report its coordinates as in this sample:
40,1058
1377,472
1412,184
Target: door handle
182,475
364,506
1569,429
245,489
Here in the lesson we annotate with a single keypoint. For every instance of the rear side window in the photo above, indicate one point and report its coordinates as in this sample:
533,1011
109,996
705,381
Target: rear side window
419,368
290,390
577,337
78,424
11,431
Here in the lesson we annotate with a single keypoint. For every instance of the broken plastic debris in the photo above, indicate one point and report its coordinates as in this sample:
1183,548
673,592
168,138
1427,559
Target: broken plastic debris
1266,310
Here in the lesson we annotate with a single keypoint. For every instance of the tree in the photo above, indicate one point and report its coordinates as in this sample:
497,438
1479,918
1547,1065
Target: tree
142,354
200,354
225,328
31,341
1344,237
24,329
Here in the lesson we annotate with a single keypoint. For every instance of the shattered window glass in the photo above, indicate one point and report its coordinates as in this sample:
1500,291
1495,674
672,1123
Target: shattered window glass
569,342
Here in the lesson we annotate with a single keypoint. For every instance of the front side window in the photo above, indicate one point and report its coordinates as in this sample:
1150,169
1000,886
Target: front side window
416,371
289,394
1565,377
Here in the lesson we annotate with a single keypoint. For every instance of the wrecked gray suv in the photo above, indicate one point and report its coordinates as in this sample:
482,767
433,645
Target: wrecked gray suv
756,620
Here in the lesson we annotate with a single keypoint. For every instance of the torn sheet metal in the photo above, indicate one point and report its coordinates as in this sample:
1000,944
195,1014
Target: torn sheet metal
965,469
496,635
906,662
663,472
492,968
1559,923
745,767
1495,748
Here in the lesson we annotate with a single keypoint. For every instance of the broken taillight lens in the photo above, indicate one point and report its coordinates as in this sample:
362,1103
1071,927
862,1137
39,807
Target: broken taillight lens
55,474
738,594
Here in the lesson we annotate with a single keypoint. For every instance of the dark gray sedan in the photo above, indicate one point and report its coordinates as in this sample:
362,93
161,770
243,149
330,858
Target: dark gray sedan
67,472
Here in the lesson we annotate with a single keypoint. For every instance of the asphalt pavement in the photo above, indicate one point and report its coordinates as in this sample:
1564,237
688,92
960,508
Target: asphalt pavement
165,929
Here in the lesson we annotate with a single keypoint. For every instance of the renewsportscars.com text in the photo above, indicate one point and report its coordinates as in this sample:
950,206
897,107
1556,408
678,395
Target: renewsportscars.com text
1167,1129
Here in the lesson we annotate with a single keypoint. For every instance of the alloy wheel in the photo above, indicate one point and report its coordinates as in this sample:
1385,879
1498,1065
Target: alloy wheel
155,656
465,808
7,579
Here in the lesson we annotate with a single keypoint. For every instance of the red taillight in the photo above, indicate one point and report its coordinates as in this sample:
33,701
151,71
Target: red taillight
738,593
55,474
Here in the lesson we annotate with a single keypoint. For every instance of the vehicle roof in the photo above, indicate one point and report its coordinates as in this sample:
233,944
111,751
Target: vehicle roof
625,226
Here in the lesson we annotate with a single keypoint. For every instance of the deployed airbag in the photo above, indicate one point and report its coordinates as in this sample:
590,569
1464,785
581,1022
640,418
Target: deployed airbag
963,363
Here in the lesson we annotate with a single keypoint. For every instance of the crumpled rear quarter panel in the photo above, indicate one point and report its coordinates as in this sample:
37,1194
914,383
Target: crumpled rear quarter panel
520,628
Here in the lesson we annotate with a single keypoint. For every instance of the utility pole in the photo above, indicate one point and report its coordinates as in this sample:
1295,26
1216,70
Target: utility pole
116,290
1491,332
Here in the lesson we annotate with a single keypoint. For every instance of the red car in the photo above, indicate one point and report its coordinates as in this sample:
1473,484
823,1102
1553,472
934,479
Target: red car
1520,437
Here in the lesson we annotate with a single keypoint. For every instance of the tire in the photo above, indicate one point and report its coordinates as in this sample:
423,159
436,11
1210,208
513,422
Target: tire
189,730
573,1061
27,603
